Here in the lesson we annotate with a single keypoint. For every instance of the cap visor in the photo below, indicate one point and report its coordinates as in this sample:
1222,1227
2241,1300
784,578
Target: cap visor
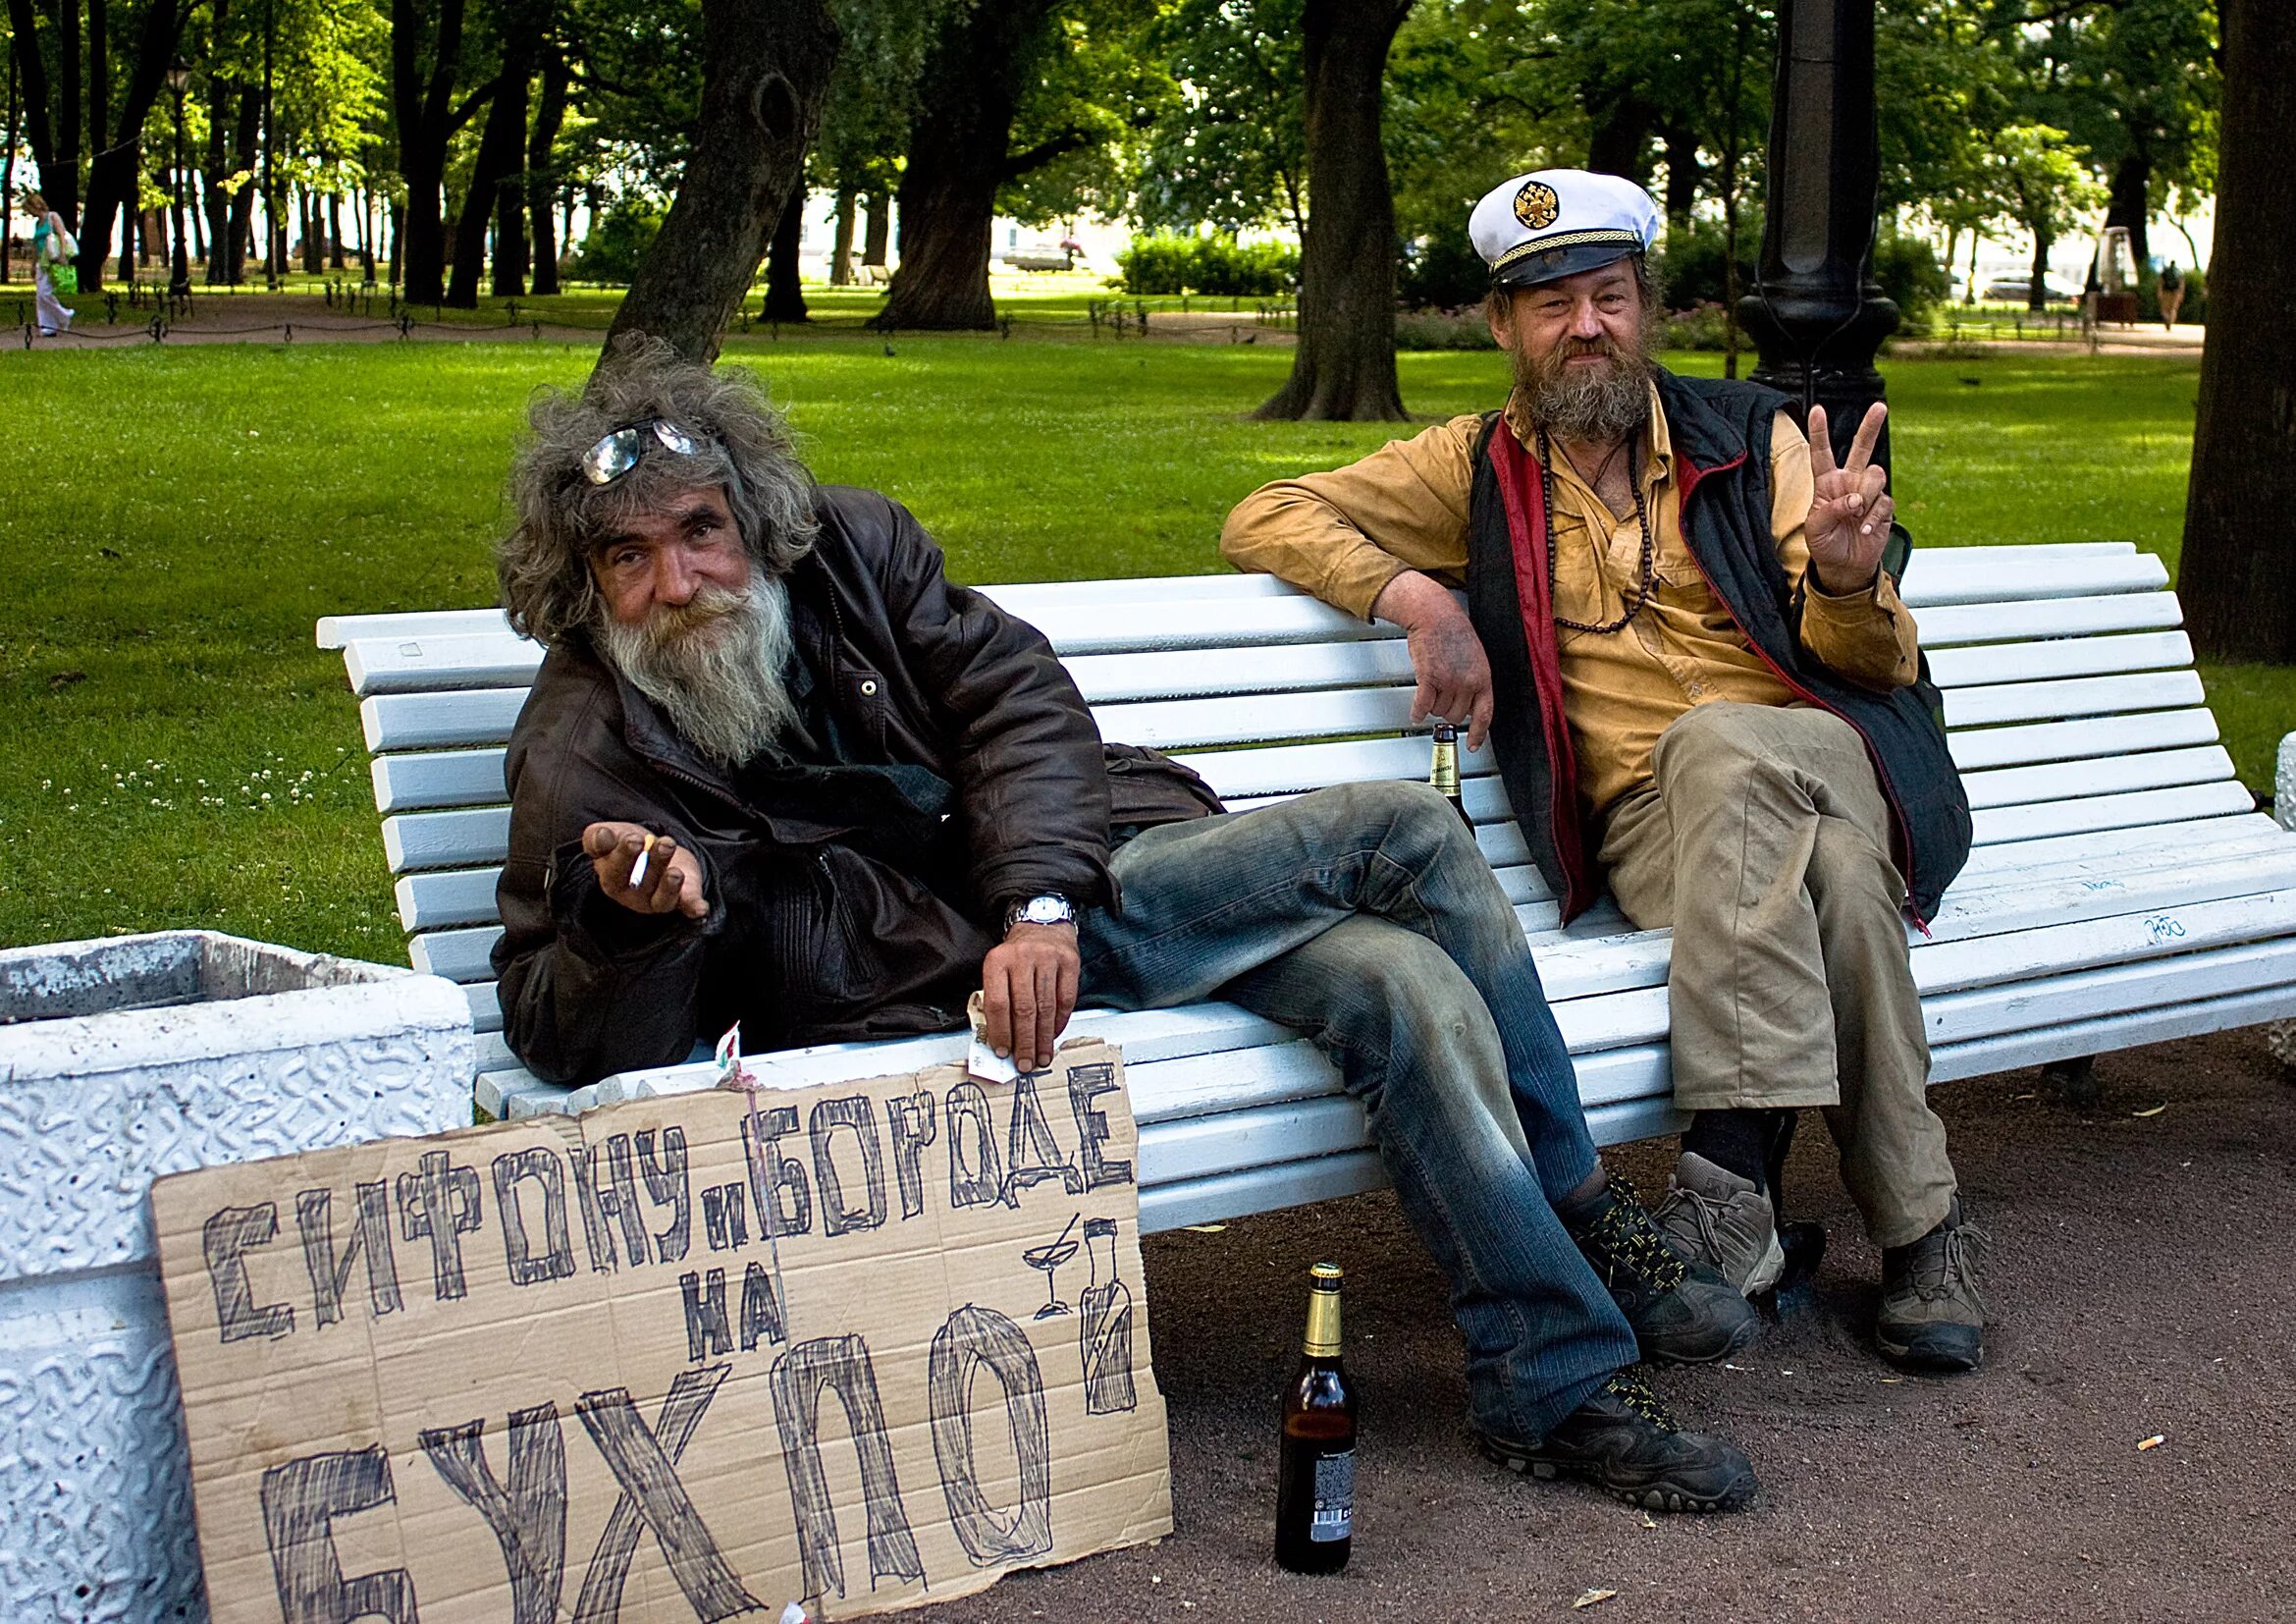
1553,264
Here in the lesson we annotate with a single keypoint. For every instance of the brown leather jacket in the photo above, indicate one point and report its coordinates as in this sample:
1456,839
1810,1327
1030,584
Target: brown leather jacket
842,906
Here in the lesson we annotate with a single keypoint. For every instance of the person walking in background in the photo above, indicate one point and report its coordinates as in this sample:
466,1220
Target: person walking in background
2170,293
53,249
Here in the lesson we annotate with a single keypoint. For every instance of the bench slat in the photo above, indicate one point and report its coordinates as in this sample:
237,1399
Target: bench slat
429,779
1977,748
1945,626
440,720
2143,807
2083,696
2104,775
2032,661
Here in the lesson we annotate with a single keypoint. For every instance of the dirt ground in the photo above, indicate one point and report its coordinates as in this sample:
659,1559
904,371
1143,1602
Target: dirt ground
2137,1289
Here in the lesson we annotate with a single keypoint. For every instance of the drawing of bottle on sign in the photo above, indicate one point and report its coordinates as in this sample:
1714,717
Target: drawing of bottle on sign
1048,1257
1104,1330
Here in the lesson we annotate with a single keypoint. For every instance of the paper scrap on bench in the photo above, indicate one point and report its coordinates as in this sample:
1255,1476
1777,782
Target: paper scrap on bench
863,1345
981,1061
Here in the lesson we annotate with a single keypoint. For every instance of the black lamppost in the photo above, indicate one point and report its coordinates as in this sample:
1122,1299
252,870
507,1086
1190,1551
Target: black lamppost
180,280
1815,310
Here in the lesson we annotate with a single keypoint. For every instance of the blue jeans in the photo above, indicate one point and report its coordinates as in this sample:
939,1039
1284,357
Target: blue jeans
1365,917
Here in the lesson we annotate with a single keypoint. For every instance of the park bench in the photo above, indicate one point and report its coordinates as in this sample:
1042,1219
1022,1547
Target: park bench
2123,888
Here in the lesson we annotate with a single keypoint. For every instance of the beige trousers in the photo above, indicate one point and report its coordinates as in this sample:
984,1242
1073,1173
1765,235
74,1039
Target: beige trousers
1764,840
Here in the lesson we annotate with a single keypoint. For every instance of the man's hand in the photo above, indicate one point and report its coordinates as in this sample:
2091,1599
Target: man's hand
1447,657
673,879
1850,506
1028,991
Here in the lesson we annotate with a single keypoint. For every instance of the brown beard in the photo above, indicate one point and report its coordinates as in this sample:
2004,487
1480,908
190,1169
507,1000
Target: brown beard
1588,403
715,664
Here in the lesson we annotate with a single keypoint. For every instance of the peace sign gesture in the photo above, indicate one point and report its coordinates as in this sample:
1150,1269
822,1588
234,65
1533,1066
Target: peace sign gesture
1850,506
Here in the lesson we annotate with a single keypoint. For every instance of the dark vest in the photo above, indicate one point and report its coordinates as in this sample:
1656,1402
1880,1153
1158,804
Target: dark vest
1721,437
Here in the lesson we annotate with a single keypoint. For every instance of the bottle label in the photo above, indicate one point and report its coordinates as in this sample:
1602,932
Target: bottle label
1445,774
1335,1497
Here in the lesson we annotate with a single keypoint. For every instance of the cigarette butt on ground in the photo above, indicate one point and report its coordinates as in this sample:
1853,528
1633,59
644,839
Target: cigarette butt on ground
638,868
2152,1442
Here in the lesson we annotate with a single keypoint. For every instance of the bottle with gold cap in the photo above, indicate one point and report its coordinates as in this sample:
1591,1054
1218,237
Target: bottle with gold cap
1316,1470
1444,774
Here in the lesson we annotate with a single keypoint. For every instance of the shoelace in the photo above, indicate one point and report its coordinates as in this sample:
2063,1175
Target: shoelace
1628,1239
1630,1388
1934,1271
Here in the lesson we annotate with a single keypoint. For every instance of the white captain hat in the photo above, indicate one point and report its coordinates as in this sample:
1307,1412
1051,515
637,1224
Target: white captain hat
1555,223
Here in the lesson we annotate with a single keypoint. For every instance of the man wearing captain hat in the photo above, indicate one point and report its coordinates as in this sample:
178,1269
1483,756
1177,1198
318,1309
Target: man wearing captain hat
1704,688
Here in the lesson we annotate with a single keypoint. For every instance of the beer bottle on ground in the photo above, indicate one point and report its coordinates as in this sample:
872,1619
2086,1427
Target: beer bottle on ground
1444,775
1315,1471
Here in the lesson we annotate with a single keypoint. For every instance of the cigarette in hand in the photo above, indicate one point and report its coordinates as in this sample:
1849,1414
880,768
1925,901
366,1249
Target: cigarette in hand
638,868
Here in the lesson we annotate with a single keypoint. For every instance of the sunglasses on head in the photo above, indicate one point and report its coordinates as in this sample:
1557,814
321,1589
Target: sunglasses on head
619,452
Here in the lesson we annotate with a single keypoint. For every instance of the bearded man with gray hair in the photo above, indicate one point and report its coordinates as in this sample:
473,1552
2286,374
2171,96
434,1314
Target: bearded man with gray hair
777,768
1702,686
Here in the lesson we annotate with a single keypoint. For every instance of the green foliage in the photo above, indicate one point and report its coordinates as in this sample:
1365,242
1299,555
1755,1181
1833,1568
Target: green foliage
1690,266
618,239
1441,271
1228,147
1907,268
1168,263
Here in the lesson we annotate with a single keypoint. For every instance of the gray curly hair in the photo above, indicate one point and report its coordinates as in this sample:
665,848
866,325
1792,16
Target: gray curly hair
742,448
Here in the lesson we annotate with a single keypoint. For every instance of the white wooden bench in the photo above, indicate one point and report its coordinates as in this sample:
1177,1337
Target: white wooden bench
2124,888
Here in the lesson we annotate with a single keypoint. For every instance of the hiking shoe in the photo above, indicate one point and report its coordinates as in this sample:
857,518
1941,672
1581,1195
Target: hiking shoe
1712,1217
1933,1316
1683,1312
1624,1441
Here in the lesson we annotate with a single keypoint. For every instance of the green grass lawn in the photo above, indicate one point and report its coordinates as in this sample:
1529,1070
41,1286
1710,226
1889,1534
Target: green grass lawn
182,755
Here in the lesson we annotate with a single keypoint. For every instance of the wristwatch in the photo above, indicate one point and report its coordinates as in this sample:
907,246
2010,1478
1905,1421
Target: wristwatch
1052,908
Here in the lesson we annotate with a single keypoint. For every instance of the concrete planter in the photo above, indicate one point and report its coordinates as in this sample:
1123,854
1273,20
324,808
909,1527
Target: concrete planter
120,1060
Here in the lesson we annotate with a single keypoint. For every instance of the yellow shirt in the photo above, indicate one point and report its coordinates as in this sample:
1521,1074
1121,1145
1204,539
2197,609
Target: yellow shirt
1346,533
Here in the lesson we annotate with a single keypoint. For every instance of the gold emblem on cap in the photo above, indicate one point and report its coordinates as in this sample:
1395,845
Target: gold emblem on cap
1536,205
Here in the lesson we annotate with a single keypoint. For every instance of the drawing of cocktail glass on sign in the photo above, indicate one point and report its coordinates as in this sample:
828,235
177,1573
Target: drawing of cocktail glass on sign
1048,1257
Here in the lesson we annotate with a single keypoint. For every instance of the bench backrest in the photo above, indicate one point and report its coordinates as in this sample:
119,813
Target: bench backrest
2069,693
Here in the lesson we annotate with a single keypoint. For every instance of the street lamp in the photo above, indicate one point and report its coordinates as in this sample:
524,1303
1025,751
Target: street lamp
1815,310
180,282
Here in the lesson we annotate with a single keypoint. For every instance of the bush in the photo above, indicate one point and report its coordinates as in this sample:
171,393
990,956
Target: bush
1161,262
1908,272
1704,326
618,239
1444,330
1690,268
1442,272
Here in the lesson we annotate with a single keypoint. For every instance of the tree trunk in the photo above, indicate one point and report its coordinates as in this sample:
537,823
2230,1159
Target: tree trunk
1620,142
69,127
784,297
766,69
314,234
218,212
1682,178
39,134
878,240
501,149
7,172
113,179
959,154
423,102
510,262
242,203
2238,576
2132,181
841,251
335,231
398,243
1344,368
2037,289
550,116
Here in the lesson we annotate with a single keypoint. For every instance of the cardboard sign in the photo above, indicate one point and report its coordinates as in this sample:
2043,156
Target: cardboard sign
863,1345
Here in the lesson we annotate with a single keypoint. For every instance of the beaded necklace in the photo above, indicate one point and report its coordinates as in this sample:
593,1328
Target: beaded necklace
1646,575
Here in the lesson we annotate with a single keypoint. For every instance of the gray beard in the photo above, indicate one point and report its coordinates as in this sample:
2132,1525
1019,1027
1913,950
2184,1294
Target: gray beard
1602,403
715,666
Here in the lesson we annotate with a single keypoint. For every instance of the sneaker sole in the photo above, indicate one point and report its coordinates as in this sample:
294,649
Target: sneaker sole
1734,1495
1904,1357
1739,1340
